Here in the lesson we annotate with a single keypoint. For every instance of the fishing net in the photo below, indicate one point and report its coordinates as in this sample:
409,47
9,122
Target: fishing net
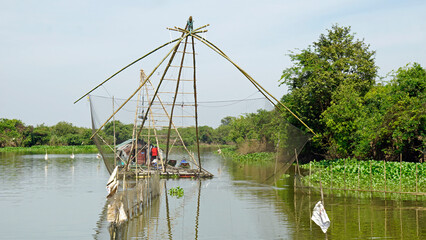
167,106
134,195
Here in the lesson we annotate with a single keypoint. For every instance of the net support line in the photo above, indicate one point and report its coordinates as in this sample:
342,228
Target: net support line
265,93
137,60
137,90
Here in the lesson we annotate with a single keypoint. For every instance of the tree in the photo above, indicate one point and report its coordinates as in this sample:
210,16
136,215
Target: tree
123,131
335,59
12,132
41,135
403,129
341,123
389,120
334,63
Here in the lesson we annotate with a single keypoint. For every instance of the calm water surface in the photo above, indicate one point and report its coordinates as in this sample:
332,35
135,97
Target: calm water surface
65,199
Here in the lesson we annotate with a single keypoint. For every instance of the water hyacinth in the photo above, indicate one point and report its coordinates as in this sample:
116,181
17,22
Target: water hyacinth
374,175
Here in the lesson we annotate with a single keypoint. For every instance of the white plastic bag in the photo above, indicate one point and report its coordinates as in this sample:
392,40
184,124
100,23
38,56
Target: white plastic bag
319,216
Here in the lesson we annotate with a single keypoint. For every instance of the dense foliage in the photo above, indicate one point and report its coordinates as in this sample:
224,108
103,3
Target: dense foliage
334,63
14,133
332,87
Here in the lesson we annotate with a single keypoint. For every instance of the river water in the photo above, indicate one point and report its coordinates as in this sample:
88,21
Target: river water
65,199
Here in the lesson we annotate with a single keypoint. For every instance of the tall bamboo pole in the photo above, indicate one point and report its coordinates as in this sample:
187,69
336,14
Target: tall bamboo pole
196,106
173,51
174,99
154,127
174,127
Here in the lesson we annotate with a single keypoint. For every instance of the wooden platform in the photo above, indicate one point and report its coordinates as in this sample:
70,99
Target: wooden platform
171,172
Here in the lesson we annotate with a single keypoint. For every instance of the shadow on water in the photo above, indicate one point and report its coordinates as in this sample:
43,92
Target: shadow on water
241,202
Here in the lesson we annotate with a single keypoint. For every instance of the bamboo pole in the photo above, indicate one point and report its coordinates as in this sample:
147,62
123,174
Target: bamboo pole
276,157
344,175
384,168
310,172
155,130
322,193
174,100
174,126
400,171
174,50
196,106
297,162
197,216
137,60
417,221
371,178
331,169
358,173
400,221
416,179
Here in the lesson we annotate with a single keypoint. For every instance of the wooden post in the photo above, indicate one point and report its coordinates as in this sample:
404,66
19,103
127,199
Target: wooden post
310,177
400,220
400,172
297,161
276,157
416,181
344,175
331,169
371,178
417,221
358,174
322,193
384,168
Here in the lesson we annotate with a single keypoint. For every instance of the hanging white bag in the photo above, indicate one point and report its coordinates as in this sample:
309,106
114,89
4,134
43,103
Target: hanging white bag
319,216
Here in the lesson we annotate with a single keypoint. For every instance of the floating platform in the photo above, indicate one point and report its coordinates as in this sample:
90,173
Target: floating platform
170,172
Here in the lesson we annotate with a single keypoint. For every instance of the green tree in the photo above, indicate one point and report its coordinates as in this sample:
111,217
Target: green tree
403,129
123,131
341,122
12,132
335,62
387,121
335,59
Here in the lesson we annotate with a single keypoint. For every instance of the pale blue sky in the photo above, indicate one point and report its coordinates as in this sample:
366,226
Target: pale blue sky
52,52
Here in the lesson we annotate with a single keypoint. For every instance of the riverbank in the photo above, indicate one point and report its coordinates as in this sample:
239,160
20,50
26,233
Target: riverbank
371,175
51,149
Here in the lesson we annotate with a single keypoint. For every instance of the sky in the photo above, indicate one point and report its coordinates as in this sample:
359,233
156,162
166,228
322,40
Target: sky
53,52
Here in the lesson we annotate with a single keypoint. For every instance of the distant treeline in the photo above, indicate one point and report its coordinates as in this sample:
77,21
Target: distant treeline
14,133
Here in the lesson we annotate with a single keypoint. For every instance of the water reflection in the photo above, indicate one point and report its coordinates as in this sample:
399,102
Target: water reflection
60,198
50,199
241,202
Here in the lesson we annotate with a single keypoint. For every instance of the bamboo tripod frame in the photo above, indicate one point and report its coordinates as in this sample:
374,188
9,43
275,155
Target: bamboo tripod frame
186,33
